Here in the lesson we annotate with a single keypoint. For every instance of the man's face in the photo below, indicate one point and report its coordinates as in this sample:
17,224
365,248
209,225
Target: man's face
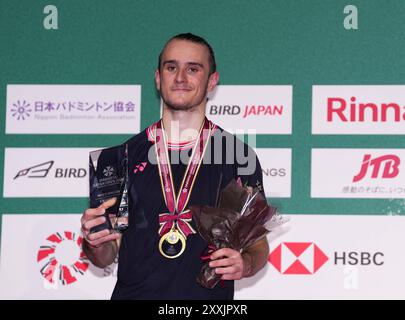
183,79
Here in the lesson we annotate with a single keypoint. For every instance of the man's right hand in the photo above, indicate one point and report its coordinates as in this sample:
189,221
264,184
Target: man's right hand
94,217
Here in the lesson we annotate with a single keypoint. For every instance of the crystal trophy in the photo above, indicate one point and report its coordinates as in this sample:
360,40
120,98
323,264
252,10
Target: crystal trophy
108,173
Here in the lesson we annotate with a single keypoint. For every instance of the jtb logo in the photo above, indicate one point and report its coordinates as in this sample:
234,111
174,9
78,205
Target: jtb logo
390,170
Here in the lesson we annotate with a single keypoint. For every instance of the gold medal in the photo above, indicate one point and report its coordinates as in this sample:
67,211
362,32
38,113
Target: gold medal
175,225
172,244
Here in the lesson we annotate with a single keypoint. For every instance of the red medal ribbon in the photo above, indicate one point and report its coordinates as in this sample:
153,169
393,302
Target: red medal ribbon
177,216
181,220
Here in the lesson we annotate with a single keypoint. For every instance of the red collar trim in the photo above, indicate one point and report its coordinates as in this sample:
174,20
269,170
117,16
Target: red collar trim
150,132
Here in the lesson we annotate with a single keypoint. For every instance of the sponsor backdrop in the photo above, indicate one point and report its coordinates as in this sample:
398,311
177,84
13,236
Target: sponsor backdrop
316,87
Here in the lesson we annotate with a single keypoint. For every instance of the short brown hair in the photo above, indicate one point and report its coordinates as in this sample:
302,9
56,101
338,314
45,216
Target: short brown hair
196,39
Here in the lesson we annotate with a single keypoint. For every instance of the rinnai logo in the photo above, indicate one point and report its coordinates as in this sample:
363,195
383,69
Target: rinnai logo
358,109
341,110
387,165
38,171
62,259
297,258
247,110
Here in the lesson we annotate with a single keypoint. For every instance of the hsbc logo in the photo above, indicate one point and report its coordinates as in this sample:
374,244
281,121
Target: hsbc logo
384,167
297,258
306,258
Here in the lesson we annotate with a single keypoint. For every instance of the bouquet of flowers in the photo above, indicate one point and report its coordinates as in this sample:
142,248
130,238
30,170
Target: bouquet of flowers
241,218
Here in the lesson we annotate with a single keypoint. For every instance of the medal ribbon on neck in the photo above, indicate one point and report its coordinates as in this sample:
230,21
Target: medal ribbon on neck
178,217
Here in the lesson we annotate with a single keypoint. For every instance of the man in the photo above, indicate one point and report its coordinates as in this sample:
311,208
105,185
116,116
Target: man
147,270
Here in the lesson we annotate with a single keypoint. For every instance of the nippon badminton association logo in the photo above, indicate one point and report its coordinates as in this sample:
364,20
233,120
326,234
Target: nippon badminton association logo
21,110
62,259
